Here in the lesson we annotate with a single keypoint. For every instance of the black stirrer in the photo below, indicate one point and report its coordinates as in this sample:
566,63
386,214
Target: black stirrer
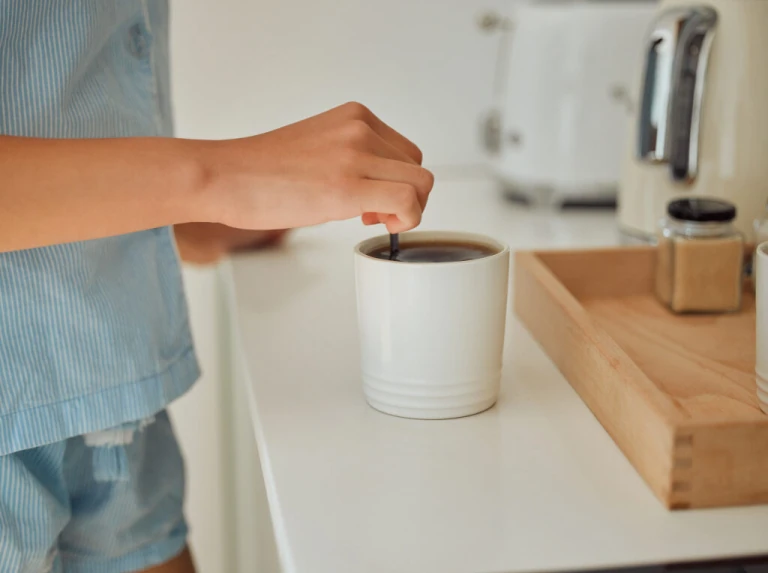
394,246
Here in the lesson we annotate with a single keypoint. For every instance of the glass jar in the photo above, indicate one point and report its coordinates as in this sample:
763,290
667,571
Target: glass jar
700,260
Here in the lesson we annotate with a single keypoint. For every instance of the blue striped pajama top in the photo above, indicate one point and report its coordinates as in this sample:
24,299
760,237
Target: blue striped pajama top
92,334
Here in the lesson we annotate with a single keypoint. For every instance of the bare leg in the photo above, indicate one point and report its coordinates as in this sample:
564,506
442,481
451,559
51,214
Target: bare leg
180,564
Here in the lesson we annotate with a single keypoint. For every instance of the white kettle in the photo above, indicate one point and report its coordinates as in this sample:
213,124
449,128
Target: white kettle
701,123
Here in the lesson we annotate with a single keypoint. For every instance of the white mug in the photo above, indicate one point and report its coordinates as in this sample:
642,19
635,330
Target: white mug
432,334
761,320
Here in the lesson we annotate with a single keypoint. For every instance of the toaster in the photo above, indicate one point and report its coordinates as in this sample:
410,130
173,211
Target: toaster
565,70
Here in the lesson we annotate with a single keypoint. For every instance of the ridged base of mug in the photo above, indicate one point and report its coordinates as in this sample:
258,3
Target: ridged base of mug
430,401
431,414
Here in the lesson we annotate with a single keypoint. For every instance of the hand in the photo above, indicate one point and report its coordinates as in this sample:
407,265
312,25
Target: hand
207,243
341,164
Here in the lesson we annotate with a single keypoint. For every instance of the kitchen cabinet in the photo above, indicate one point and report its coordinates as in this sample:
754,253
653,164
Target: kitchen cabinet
201,423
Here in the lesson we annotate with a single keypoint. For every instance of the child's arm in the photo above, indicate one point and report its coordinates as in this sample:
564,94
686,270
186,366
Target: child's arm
207,243
337,165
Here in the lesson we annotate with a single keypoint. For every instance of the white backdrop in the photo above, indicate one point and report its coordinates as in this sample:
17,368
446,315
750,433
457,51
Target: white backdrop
243,67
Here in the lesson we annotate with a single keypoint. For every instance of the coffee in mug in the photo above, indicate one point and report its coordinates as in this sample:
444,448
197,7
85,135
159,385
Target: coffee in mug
434,252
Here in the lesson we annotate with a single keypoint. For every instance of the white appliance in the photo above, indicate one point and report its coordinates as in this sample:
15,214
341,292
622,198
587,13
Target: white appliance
702,124
565,69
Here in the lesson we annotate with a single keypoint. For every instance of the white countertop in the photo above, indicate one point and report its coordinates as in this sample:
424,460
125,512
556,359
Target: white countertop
534,484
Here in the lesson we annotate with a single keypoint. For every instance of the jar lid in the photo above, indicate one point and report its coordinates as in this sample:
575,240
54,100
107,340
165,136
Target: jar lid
702,210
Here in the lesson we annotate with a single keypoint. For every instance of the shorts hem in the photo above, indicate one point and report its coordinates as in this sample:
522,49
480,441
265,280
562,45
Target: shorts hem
148,556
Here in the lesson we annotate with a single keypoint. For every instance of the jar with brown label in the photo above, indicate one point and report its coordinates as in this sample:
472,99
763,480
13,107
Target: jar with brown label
699,266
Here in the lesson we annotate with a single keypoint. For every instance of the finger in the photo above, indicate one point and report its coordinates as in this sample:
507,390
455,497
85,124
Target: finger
361,137
396,139
398,200
357,111
398,172
371,219
394,225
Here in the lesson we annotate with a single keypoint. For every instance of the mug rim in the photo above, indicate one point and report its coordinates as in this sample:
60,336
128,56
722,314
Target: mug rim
762,249
371,242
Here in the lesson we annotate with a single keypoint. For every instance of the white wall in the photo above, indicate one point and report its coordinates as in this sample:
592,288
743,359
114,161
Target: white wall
242,67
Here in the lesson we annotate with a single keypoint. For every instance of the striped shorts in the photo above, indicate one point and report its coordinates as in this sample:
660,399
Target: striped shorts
108,502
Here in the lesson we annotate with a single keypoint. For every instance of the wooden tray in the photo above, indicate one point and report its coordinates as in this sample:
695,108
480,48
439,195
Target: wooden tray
676,393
